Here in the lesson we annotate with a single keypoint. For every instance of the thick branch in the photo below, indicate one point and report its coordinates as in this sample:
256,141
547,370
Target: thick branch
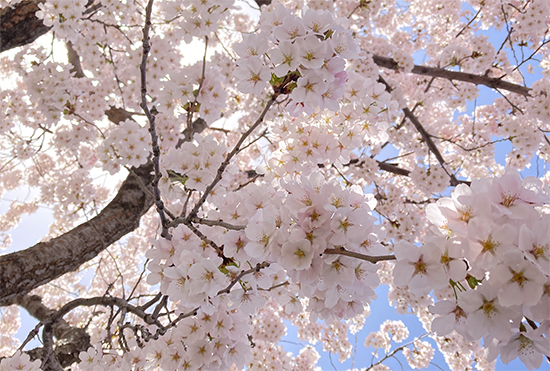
22,271
74,59
426,137
70,340
490,82
391,168
19,26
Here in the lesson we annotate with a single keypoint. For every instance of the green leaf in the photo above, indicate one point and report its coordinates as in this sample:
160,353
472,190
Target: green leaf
176,177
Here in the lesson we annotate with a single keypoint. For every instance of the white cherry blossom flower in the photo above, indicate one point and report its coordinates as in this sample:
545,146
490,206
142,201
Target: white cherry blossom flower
530,346
487,318
419,268
252,46
253,75
519,282
312,52
297,255
309,90
534,241
285,57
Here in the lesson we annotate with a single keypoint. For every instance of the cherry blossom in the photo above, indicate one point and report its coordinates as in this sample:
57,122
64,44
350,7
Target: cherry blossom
218,171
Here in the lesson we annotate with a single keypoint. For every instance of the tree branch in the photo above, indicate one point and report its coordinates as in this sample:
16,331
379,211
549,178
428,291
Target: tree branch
22,271
70,340
352,254
151,119
19,26
490,82
425,136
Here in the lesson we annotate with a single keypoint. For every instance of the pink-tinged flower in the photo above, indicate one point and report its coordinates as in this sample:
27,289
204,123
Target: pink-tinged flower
234,243
344,45
297,255
535,243
191,329
252,46
285,57
178,289
253,75
312,218
260,232
530,346
539,312
366,275
329,99
336,293
511,198
273,18
419,268
291,29
487,318
452,256
332,68
200,351
238,354
489,243
317,21
309,90
519,282
47,15
463,206
312,52
451,317
247,301
206,277
347,226
295,108
338,270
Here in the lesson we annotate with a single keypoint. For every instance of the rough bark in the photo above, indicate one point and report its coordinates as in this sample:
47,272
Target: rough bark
19,26
70,341
490,82
22,271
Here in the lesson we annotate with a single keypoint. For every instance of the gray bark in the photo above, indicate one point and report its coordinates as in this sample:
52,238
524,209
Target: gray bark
70,340
22,271
19,26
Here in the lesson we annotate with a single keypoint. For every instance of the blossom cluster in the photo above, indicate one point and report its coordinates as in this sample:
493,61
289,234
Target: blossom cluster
198,18
193,165
180,92
63,16
492,243
330,139
126,145
314,46
210,341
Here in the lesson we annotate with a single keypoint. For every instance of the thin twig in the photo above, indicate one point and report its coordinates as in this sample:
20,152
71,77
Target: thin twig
490,82
257,268
219,222
352,254
230,156
469,23
205,239
191,109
